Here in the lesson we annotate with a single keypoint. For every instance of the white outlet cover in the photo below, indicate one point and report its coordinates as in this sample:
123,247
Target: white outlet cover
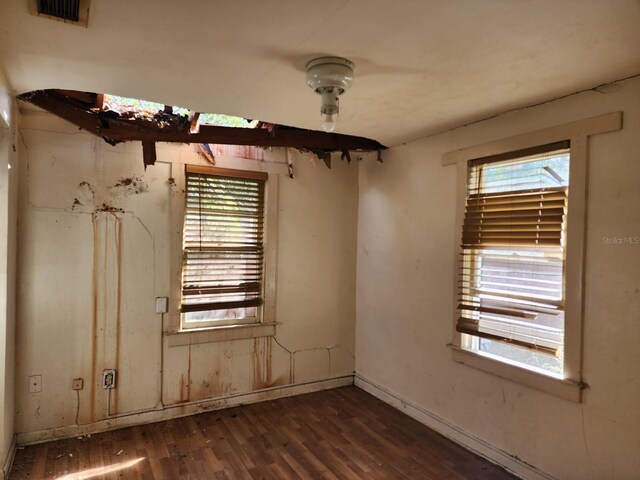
162,304
35,383
109,378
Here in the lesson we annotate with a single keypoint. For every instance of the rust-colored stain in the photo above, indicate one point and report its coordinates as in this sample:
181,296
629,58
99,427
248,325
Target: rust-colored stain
261,356
189,375
184,389
270,381
292,368
119,244
213,385
105,254
268,356
185,383
199,390
256,372
94,319
217,384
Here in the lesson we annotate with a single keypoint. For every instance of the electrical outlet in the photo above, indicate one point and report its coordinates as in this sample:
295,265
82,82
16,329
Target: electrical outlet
78,383
35,383
109,378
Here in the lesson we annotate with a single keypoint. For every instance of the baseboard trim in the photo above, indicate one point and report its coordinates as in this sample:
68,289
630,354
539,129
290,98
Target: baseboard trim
181,410
8,461
492,453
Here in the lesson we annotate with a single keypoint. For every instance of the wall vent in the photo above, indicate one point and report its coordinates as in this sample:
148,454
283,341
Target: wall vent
69,11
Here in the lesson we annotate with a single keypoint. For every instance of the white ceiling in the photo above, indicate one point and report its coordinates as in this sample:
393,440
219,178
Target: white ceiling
422,66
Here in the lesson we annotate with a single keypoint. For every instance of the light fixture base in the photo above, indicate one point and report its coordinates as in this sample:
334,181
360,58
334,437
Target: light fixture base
329,77
336,72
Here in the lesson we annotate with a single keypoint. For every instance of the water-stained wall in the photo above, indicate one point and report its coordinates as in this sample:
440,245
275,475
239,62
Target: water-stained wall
96,249
406,298
9,167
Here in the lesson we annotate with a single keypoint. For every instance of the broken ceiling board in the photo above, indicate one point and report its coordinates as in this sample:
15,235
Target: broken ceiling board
148,153
85,98
168,127
193,121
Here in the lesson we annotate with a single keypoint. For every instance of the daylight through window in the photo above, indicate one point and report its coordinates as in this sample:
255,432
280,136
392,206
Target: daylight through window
513,255
222,273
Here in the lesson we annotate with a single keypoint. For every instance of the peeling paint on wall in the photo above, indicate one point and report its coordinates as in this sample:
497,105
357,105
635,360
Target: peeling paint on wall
133,185
100,223
111,200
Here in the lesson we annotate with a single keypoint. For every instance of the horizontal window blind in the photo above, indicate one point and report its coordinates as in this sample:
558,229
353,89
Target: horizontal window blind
511,278
222,244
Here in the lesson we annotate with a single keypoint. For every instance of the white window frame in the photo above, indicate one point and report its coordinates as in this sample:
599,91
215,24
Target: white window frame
572,384
264,325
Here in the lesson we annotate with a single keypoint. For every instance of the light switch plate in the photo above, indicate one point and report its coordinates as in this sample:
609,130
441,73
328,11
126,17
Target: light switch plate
162,304
35,383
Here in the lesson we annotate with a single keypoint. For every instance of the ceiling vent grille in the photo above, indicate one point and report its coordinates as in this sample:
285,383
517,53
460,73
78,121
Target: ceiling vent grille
69,11
64,9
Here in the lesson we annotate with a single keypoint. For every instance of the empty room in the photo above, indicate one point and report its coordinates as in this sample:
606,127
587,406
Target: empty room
344,239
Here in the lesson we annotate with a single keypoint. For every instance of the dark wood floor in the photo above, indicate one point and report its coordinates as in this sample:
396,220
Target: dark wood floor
336,434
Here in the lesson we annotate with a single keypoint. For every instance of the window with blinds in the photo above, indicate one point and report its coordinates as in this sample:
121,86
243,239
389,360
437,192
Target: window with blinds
511,277
222,268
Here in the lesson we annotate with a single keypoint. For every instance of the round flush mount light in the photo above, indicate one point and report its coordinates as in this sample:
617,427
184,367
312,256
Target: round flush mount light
329,77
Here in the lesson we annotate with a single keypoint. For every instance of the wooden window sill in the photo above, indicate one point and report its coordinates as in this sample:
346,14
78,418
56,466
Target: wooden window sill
220,334
563,388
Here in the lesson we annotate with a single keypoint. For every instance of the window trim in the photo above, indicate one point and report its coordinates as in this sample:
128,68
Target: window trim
173,325
578,133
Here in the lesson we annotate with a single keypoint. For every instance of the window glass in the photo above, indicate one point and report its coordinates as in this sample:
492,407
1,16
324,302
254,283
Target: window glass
512,271
223,254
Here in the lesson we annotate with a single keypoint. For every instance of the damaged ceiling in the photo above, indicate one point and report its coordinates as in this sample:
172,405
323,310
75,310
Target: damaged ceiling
89,111
422,66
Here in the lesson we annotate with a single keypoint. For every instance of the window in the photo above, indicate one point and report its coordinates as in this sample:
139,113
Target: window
536,335
511,281
223,251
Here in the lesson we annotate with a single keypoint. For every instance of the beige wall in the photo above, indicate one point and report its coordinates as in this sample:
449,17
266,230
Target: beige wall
8,211
405,295
88,278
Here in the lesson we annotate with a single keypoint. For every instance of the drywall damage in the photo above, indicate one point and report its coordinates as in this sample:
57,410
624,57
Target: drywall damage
117,122
86,199
96,249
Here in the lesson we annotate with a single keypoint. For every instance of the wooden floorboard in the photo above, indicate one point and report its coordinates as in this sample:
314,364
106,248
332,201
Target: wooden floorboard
340,434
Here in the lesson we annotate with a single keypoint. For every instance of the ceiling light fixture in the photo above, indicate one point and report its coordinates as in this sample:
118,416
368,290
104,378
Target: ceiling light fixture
329,77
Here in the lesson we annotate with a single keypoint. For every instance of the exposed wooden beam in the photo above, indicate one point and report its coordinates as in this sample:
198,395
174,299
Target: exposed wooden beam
297,138
114,129
148,154
193,121
86,98
54,102
99,101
